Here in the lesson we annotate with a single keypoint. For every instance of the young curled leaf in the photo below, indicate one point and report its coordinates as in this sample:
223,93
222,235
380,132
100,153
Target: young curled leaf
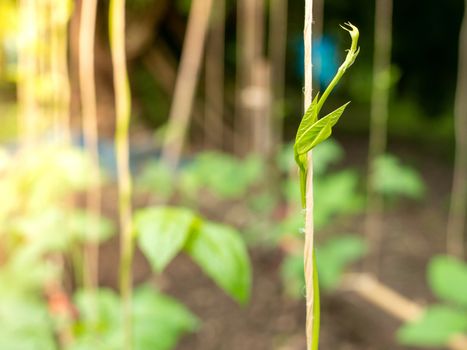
318,132
309,118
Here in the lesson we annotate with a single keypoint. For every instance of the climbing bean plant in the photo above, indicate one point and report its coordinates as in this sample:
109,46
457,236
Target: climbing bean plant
311,132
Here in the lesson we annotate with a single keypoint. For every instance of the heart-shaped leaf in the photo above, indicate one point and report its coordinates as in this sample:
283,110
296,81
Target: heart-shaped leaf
221,253
162,233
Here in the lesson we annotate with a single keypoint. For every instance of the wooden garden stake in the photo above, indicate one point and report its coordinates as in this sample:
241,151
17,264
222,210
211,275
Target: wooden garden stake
187,80
214,105
277,54
311,323
90,131
378,126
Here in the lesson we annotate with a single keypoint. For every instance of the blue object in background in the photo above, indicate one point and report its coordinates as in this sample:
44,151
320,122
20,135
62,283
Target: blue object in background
324,58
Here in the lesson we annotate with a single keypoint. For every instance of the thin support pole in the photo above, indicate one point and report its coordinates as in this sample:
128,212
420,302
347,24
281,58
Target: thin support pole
123,108
187,80
378,127
90,131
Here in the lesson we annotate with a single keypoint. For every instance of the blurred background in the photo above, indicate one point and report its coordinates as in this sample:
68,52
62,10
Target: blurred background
204,174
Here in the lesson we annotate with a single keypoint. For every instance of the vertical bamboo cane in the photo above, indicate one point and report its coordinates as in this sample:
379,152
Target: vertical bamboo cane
59,14
277,53
250,37
27,50
187,80
214,105
90,131
123,109
378,126
458,207
311,322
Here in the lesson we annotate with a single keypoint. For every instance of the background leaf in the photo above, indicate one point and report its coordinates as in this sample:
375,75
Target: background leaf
395,179
160,321
334,256
221,253
448,279
162,232
434,328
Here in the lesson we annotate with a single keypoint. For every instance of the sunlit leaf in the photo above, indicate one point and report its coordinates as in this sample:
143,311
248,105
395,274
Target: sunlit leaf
162,232
159,321
309,118
318,132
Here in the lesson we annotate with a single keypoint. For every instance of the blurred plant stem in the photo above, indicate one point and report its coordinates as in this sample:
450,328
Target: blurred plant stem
187,80
312,308
378,127
123,110
458,206
90,131
214,88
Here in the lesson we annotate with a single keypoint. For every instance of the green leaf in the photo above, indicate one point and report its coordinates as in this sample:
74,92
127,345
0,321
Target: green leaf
221,253
162,233
334,256
434,328
448,279
336,194
80,222
328,153
309,118
318,132
159,321
393,179
25,324
292,275
157,178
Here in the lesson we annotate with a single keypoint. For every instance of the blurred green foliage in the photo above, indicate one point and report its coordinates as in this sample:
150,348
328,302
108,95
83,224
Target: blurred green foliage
392,179
336,194
447,277
219,250
159,320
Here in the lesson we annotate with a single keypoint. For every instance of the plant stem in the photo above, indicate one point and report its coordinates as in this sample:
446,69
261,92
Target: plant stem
122,106
187,80
378,125
312,310
458,207
90,132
